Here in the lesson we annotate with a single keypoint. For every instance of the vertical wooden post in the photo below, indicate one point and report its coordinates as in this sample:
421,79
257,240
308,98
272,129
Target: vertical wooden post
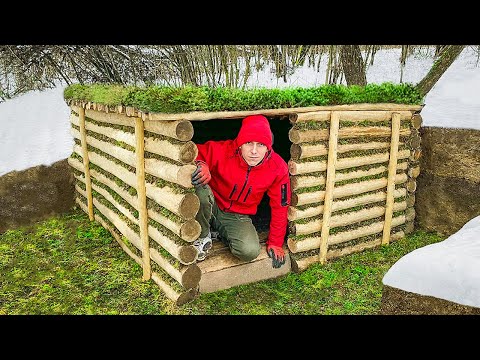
392,171
142,197
86,162
329,184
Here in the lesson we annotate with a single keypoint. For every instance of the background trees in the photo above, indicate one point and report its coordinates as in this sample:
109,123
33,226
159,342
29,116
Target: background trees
35,67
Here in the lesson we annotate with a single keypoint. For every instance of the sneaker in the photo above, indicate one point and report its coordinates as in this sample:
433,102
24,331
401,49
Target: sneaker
203,245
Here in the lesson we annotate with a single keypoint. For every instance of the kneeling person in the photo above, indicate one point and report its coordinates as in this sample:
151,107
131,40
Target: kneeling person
230,180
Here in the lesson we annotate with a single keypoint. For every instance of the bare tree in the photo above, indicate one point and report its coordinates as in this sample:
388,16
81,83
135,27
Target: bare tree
446,56
353,65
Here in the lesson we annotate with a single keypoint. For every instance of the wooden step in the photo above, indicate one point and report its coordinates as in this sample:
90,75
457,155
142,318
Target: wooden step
221,270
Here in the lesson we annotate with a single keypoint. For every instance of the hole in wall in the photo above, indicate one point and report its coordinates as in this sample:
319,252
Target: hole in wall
223,129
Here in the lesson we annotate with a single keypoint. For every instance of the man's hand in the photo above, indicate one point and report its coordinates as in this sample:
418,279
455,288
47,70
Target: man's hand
277,254
201,175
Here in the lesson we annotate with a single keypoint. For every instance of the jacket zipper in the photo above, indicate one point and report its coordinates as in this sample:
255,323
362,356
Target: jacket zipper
233,191
245,183
243,188
248,193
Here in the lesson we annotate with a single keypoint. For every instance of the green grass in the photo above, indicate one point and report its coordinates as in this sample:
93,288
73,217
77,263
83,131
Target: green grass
69,265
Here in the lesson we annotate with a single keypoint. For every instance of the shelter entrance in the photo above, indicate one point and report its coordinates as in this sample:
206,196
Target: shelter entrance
224,129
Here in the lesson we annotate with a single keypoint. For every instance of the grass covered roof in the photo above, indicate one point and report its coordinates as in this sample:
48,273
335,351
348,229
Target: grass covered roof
164,99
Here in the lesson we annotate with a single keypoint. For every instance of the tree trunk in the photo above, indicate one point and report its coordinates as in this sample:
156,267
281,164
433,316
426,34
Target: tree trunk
447,57
352,65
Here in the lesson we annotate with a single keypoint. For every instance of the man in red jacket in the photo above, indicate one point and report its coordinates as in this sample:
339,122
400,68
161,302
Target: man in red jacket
238,173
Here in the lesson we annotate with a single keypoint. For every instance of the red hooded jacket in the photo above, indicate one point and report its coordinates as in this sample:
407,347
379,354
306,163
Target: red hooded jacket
238,187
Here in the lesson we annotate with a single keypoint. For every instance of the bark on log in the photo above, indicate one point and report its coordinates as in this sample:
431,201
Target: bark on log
344,163
184,205
186,254
187,276
295,214
392,166
303,151
180,130
300,136
110,198
345,190
352,116
119,135
132,200
303,181
109,118
299,265
86,162
188,230
184,153
178,298
203,115
313,242
181,175
344,219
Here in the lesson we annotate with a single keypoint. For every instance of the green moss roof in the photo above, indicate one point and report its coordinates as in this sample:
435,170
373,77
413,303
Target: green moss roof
189,98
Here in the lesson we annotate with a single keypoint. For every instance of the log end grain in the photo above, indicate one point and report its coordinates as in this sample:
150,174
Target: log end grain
184,175
187,296
295,151
184,130
188,152
190,230
187,254
189,206
191,277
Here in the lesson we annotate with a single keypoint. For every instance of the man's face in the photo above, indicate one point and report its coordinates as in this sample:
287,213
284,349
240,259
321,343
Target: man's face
253,152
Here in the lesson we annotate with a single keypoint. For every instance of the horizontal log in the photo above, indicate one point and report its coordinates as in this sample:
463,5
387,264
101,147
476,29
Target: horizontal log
183,153
304,151
188,230
119,135
117,238
132,200
295,214
178,298
360,187
124,155
109,118
184,205
126,212
179,129
313,242
353,116
181,175
186,254
353,217
299,265
210,115
299,168
303,181
297,136
187,276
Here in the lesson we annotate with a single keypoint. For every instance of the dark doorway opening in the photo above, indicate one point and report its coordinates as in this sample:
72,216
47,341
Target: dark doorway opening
223,129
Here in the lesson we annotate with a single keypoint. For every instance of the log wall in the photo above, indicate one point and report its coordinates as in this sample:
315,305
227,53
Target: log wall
353,176
352,167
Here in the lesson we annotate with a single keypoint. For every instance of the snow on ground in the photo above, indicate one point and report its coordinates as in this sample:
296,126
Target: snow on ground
447,270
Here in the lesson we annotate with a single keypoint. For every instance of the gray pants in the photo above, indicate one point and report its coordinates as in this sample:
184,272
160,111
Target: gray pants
236,230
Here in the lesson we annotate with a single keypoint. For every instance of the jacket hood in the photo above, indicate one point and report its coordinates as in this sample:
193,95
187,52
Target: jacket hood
255,128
